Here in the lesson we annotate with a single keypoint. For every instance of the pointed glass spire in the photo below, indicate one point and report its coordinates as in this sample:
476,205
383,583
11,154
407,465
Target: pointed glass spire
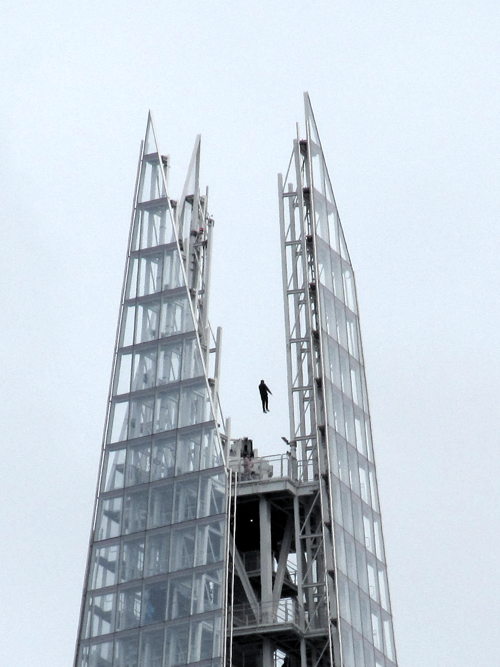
329,414
155,587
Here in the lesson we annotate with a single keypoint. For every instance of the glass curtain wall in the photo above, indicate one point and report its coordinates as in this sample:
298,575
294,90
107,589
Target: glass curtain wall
154,593
365,622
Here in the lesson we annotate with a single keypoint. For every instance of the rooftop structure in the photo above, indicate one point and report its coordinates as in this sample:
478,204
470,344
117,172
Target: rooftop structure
202,553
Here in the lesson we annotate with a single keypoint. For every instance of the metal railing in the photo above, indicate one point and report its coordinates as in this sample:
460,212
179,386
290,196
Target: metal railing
266,613
276,466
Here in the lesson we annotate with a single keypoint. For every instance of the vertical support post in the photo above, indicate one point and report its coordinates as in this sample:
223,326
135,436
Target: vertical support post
267,653
266,560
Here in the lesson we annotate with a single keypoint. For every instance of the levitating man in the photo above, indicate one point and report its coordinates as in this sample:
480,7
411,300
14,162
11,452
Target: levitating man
264,391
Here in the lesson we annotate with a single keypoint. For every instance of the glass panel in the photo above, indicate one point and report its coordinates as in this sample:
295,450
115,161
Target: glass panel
97,655
179,596
152,649
109,519
147,321
135,511
128,613
210,450
188,453
347,646
207,591
376,628
131,292
169,363
355,607
127,326
115,466
150,274
138,464
194,408
210,542
104,566
144,375
163,463
141,417
176,645
388,639
126,651
100,615
212,495
160,506
186,497
201,640
155,596
157,550
117,430
154,226
123,373
192,366
182,549
172,276
132,560
175,316
167,404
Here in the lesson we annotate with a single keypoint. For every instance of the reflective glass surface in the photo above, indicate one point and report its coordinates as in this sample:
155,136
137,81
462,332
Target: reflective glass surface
155,586
365,620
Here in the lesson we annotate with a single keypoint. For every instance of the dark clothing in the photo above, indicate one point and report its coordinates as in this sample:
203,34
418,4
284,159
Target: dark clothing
264,391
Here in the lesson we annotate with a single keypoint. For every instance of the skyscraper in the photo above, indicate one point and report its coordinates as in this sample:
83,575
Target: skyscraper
203,553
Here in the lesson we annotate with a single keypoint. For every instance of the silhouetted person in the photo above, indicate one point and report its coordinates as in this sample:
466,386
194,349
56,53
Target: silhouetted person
264,391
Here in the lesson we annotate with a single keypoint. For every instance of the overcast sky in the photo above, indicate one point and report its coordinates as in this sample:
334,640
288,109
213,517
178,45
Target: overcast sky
406,98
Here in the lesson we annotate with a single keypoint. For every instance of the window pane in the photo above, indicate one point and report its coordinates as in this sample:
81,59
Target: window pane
182,549
100,615
128,612
135,511
141,417
169,362
109,520
138,464
117,429
152,649
210,543
163,459
207,591
157,551
179,597
186,497
104,566
150,274
126,652
144,373
115,466
167,404
148,316
176,645
132,560
123,373
155,596
160,506
188,453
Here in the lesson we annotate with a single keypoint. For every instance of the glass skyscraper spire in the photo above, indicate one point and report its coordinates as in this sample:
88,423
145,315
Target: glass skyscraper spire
203,553
156,571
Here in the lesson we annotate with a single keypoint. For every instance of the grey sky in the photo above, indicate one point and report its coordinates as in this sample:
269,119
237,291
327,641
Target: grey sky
406,98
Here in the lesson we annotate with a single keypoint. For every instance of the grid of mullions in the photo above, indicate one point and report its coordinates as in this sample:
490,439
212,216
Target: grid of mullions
154,594
179,644
364,605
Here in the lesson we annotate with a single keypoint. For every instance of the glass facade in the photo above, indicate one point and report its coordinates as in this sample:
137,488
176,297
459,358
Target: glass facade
155,585
364,612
